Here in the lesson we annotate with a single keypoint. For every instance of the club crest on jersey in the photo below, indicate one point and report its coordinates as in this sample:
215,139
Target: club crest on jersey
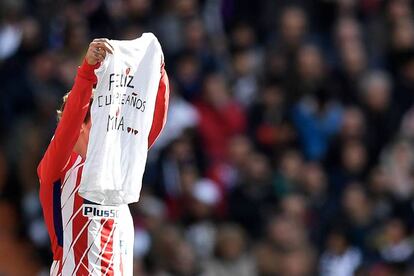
96,211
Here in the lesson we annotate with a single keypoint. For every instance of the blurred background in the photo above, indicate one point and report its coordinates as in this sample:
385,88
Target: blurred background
289,147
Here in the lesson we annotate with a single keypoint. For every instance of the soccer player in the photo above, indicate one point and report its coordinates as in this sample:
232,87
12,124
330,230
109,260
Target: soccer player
86,238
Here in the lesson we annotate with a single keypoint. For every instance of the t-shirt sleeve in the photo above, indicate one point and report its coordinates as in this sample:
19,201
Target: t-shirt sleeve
161,108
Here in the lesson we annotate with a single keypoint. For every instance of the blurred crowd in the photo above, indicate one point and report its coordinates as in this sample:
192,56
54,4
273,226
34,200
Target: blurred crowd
289,147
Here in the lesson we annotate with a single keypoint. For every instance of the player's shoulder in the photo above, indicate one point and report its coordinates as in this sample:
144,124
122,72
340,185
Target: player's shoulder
43,170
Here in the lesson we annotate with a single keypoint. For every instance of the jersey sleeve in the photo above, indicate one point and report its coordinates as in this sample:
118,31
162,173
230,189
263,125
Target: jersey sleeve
67,132
161,108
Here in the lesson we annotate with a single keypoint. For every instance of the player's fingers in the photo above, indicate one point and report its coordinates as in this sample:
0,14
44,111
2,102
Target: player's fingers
96,52
104,46
98,56
100,42
93,46
103,54
99,50
105,41
101,59
109,45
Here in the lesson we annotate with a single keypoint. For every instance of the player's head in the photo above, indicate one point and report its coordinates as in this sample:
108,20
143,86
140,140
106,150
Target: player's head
59,112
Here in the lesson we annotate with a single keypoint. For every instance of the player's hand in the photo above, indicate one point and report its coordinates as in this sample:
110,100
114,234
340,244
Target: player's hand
97,50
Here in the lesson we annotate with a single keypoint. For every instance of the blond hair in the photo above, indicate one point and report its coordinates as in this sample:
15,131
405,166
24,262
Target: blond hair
59,112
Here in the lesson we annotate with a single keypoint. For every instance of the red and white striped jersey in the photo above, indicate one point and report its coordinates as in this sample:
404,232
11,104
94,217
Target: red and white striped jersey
86,238
91,239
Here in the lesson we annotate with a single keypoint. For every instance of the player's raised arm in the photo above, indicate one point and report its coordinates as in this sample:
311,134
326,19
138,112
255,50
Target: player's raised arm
75,109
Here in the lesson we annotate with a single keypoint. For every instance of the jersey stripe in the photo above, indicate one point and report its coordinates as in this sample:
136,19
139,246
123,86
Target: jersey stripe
110,269
74,166
121,265
81,244
106,239
107,245
68,190
71,196
94,236
68,202
54,270
57,215
86,252
72,217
